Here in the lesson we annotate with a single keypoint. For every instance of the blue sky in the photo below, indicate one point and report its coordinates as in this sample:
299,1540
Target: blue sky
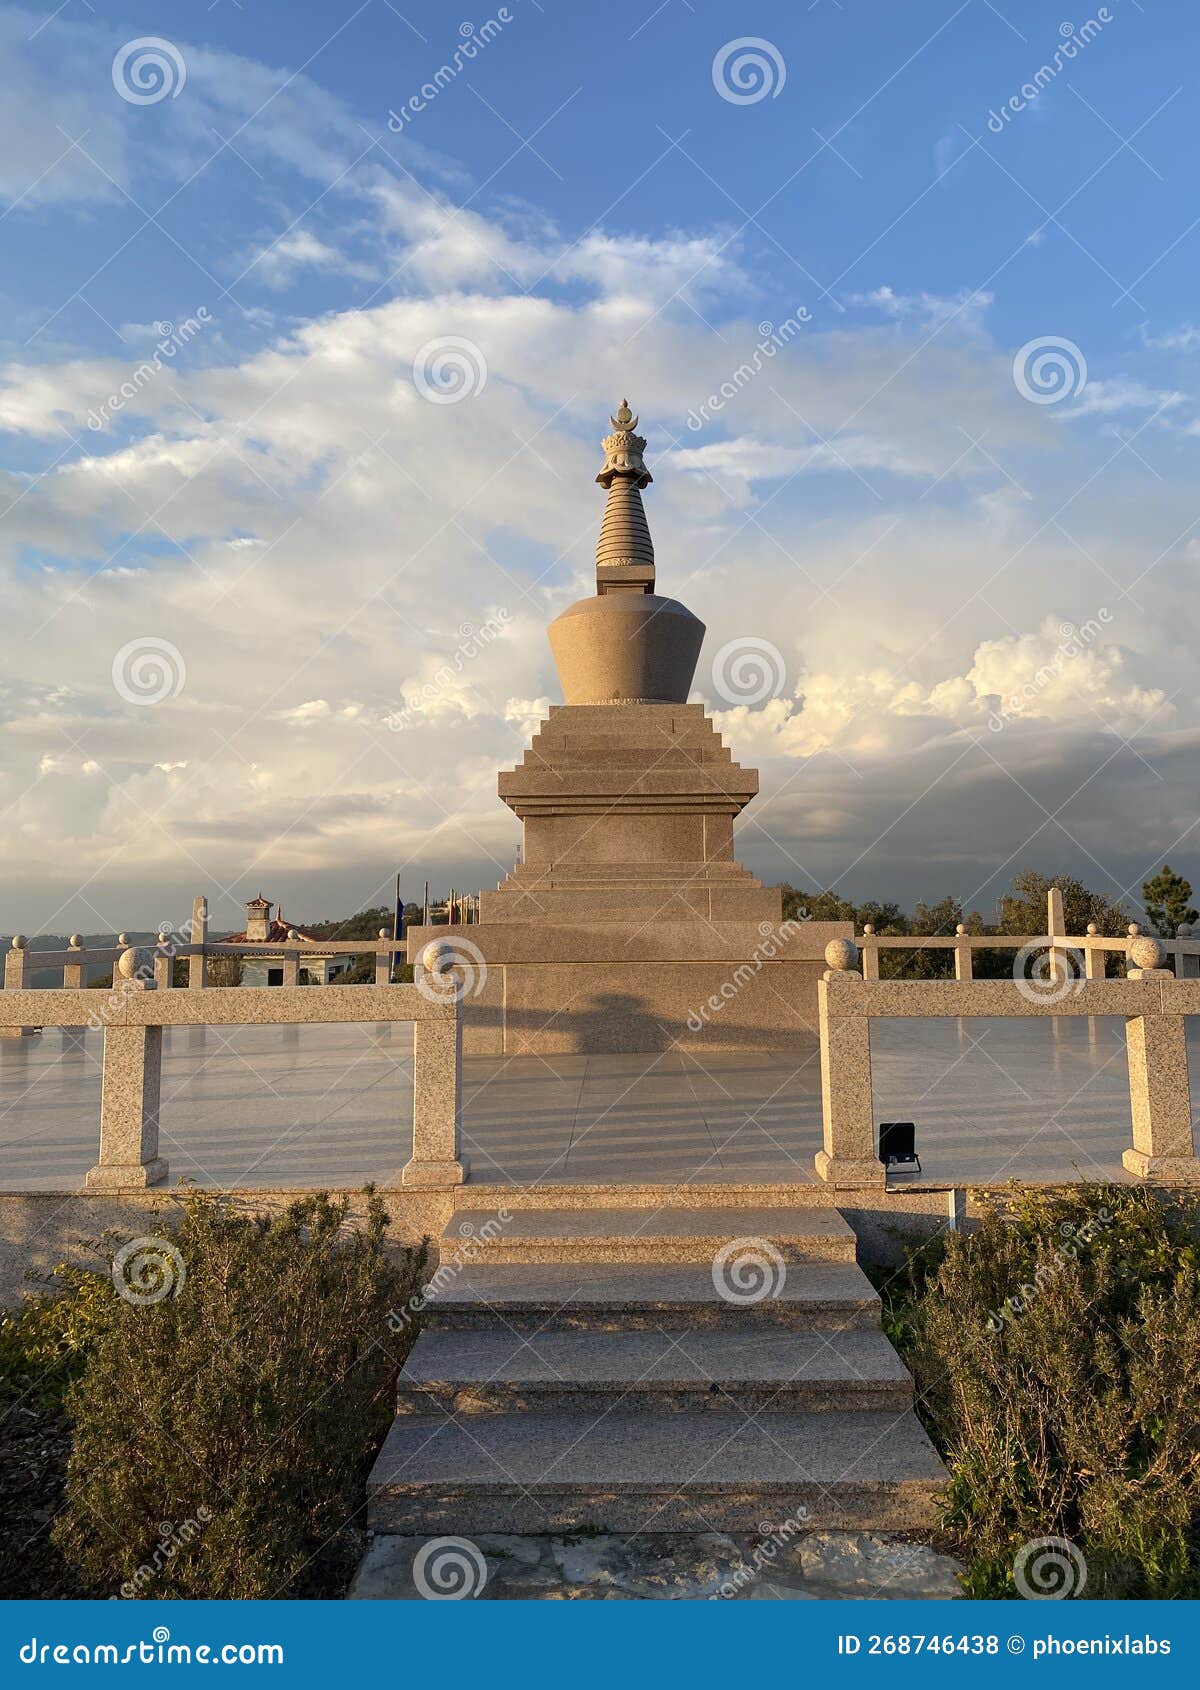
909,522
899,92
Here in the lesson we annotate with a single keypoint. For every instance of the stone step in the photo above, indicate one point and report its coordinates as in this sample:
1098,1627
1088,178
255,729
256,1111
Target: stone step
607,903
625,1194
763,1236
653,1473
593,1373
714,869
642,1297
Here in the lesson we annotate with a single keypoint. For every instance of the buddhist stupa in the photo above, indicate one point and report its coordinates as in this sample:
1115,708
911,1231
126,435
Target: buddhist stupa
629,925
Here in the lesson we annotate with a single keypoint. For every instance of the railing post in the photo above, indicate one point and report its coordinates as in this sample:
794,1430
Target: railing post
437,1158
1159,1093
870,954
130,1090
1056,926
16,972
199,936
74,979
383,962
75,972
164,963
291,963
847,1104
963,965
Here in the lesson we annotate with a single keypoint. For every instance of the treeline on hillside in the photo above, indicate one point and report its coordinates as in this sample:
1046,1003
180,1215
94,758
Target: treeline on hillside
1021,910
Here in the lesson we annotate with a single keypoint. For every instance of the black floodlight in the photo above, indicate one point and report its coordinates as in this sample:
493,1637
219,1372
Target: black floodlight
898,1145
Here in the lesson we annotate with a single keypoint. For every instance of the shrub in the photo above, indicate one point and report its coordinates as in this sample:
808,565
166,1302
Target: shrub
44,1343
1056,1352
223,1432
43,1348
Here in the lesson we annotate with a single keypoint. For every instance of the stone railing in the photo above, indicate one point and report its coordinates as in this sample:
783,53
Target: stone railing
192,943
134,1012
1091,947
1151,998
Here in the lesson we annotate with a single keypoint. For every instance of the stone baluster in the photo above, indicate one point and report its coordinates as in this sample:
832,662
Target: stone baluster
963,964
847,1103
75,971
1094,958
1159,1092
130,1089
16,979
869,953
74,980
291,962
197,973
383,962
437,1157
1056,926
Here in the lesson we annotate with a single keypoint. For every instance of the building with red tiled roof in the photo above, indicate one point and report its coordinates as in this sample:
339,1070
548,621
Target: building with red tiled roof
317,969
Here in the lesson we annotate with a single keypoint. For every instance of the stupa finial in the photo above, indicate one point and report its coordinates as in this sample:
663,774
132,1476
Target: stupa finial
624,551
623,450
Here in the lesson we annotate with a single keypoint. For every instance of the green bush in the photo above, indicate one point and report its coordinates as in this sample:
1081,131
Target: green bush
222,1432
1056,1352
44,1343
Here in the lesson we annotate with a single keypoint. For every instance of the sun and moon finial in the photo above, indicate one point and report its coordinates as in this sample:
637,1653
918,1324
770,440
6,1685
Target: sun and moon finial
623,450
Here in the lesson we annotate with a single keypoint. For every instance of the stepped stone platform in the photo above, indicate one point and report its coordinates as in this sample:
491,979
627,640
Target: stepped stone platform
660,1235
652,1370
833,1296
476,1372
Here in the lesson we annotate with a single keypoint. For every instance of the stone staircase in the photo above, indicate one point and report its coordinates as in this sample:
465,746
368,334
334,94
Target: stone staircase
585,1371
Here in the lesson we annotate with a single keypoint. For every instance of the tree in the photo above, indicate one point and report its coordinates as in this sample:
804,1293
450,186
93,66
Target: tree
224,969
364,925
815,906
1023,909
1166,898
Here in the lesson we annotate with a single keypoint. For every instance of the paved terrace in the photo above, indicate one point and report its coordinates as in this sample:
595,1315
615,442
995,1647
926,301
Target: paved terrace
316,1105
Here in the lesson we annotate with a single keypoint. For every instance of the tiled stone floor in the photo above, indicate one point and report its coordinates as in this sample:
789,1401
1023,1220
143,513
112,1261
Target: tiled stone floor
270,1106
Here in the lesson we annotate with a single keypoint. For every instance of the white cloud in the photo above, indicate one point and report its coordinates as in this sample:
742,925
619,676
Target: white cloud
280,261
964,310
1106,398
1186,338
749,460
312,536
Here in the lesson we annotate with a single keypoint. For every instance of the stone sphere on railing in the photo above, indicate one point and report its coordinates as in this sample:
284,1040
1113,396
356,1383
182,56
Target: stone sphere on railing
19,941
384,934
868,929
1133,930
1092,929
76,941
841,954
137,963
1147,952
960,929
292,933
122,938
437,956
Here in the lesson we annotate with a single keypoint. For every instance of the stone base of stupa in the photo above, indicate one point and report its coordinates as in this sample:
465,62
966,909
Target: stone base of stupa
629,926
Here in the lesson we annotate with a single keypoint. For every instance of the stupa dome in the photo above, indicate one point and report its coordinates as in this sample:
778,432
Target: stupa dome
626,644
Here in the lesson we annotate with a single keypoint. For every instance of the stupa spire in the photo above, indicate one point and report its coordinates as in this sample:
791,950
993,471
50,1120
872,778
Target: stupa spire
624,551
